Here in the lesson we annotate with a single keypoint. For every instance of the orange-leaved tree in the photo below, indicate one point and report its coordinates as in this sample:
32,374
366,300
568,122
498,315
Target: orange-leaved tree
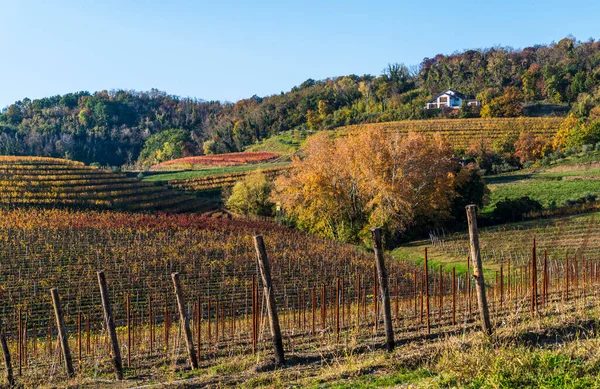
531,147
344,186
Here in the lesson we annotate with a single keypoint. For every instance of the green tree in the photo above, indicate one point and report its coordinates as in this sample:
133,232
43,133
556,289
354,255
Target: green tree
164,146
250,196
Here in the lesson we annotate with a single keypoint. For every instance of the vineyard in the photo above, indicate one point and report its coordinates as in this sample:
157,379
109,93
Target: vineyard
462,132
222,180
51,182
230,159
574,234
326,292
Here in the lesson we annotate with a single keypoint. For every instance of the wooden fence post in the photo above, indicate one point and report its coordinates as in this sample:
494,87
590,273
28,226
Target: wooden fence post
534,289
265,272
383,288
6,353
109,321
184,321
426,288
62,332
486,326
453,296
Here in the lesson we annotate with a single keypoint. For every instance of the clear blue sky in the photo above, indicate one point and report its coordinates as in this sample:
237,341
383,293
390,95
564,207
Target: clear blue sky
228,50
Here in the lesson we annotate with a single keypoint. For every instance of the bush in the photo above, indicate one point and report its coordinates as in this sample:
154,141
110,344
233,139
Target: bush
527,164
598,146
511,210
164,146
587,148
251,195
556,155
586,198
570,151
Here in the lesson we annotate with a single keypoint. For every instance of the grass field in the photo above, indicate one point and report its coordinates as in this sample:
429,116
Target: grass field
287,142
551,186
187,174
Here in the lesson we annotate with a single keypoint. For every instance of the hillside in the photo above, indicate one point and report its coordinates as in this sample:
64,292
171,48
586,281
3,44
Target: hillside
52,183
461,133
115,127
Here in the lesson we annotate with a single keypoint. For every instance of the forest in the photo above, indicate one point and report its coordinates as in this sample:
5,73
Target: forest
120,127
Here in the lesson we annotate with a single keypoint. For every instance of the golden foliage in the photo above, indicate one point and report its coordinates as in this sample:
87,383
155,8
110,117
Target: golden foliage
530,147
347,185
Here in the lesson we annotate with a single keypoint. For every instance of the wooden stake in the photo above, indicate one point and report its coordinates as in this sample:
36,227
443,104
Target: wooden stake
128,313
486,325
62,332
184,321
109,321
265,271
426,288
384,292
453,296
6,353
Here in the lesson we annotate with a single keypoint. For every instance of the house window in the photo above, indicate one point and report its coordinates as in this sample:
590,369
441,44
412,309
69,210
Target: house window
444,99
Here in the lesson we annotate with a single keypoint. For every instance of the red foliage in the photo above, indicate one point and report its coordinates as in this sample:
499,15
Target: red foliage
230,159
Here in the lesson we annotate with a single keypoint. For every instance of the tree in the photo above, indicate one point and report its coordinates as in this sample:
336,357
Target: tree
530,147
250,196
345,186
164,146
466,110
507,105
469,188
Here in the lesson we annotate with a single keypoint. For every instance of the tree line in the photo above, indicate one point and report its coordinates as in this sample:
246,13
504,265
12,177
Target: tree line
124,127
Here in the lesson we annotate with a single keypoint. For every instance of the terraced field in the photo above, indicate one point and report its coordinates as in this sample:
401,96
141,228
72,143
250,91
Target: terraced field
461,132
50,182
574,234
222,180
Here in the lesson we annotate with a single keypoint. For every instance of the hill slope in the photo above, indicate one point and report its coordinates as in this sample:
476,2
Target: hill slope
51,182
462,132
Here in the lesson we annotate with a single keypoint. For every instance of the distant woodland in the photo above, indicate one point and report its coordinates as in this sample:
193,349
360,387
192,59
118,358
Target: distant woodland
128,127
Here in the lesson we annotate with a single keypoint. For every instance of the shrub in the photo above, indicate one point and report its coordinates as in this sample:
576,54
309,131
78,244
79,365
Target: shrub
570,151
587,148
511,210
164,146
251,195
556,155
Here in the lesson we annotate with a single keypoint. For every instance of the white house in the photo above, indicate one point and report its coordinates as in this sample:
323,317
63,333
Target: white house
451,99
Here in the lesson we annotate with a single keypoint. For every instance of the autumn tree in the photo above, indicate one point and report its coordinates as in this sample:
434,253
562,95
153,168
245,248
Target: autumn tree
347,185
250,196
507,105
164,146
531,147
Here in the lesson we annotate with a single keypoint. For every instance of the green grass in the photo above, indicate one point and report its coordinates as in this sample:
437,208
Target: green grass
400,377
544,191
184,175
589,157
415,252
287,142
554,185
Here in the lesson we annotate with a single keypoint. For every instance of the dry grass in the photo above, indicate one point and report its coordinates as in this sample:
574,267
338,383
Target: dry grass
558,348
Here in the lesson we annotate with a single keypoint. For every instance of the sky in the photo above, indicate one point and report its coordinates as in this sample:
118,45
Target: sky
229,50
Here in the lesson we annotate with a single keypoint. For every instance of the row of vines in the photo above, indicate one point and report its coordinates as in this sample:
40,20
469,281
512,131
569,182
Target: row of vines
461,133
326,291
47,182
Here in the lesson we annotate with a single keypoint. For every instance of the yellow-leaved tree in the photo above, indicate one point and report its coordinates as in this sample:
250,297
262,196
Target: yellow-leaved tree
344,186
